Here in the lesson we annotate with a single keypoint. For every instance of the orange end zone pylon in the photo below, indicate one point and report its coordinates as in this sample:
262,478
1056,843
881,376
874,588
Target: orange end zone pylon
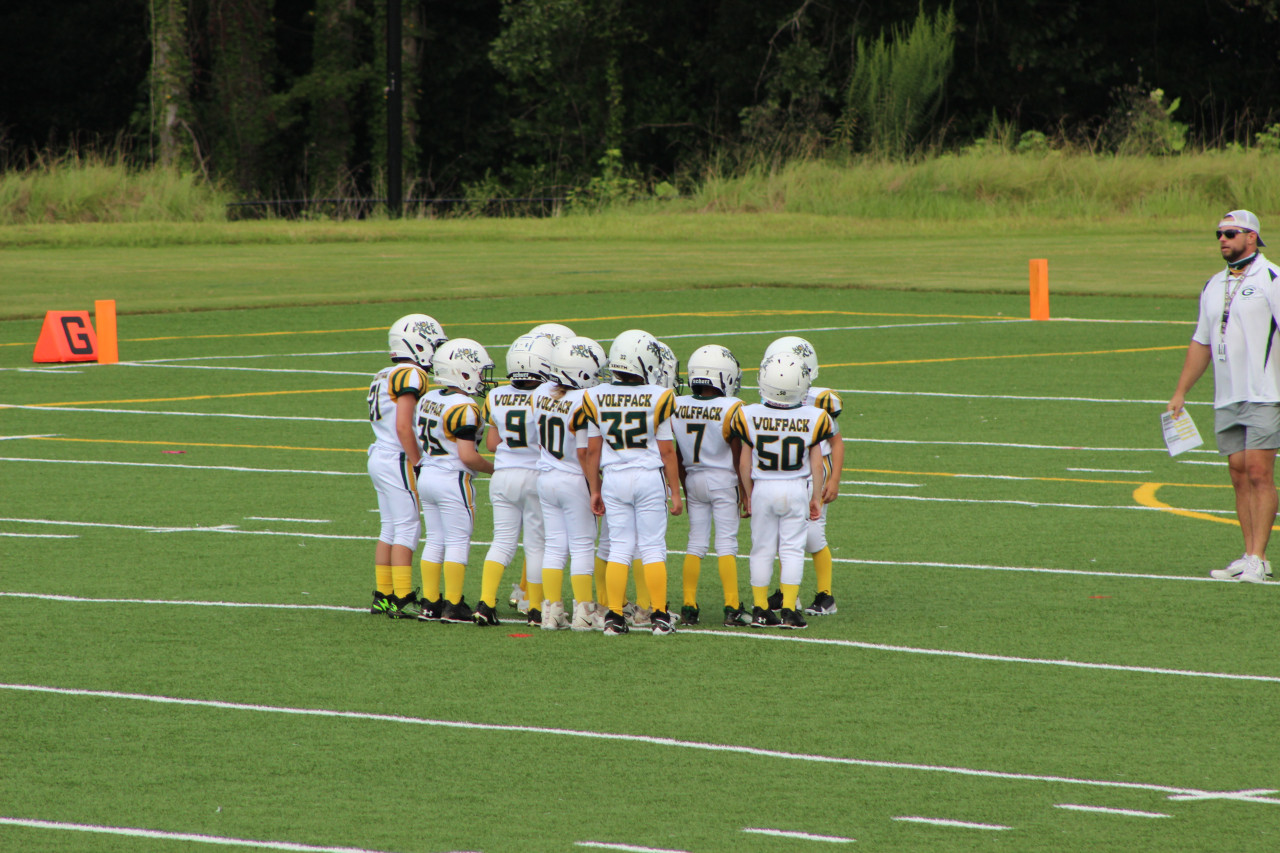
1039,289
104,312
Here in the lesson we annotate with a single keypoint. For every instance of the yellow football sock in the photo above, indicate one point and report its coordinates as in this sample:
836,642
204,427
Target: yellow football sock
728,565
822,569
581,587
789,593
535,596
524,577
643,601
553,584
616,582
382,578
655,576
760,596
692,568
430,581
454,574
401,580
490,581
602,585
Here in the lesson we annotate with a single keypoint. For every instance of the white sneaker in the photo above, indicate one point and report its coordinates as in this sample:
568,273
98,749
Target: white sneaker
587,616
553,616
1233,570
518,600
1255,570
642,617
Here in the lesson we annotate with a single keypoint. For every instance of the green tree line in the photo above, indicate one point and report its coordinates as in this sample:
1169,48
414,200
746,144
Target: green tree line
284,98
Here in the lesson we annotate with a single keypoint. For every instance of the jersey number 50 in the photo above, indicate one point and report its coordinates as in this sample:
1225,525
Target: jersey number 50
788,457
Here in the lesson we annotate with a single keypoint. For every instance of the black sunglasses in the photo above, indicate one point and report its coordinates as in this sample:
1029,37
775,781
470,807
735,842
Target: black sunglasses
1230,233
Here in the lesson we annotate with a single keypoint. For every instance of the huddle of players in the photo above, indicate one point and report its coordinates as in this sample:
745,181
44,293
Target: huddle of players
581,470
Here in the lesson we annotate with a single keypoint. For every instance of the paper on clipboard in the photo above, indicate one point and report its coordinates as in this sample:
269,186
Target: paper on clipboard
1180,433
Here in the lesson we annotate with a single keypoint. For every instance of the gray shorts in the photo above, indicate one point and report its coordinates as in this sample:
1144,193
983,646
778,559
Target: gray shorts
1247,426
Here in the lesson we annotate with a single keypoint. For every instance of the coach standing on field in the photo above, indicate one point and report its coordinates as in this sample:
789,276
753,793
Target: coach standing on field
1237,333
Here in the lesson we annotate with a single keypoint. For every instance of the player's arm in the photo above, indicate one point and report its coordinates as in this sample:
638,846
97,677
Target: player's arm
491,438
589,459
671,469
832,489
1198,357
819,486
406,427
684,472
744,477
471,457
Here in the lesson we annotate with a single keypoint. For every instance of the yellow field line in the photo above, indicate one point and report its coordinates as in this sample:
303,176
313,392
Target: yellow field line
199,444
1145,495
195,397
992,357
747,313
206,444
1032,479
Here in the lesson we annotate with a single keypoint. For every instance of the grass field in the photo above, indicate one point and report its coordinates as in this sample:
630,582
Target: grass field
1028,655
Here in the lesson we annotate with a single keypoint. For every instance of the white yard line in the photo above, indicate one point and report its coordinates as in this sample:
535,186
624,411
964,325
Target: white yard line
802,836
1106,810
700,746
960,824
134,832
780,637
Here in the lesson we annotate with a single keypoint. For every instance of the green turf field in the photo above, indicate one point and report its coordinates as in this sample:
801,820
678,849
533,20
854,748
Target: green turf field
1028,656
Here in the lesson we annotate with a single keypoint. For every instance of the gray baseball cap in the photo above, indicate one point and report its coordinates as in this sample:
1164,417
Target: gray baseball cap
1242,219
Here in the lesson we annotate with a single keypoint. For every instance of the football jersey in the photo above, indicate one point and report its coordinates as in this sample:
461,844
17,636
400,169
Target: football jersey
444,417
560,426
829,401
780,438
387,386
631,419
700,428
509,410
1244,357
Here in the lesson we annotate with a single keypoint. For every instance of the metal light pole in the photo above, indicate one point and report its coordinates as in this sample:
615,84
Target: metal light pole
395,98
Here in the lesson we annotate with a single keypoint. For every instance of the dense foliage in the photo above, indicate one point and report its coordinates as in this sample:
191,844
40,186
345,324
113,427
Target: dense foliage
596,97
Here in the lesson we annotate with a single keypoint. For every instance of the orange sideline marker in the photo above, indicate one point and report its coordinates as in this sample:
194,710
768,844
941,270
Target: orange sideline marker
104,312
1039,289
66,336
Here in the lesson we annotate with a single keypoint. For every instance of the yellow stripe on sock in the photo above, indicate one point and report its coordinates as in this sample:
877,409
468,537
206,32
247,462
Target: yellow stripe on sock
490,581
728,566
692,568
382,578
822,569
454,575
430,581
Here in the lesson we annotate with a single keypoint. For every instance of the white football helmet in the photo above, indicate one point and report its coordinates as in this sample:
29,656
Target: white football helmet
716,366
556,331
798,347
637,352
577,362
415,336
463,364
670,366
784,380
529,358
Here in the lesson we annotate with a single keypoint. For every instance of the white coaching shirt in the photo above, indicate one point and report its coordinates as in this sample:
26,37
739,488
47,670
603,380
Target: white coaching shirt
1250,372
